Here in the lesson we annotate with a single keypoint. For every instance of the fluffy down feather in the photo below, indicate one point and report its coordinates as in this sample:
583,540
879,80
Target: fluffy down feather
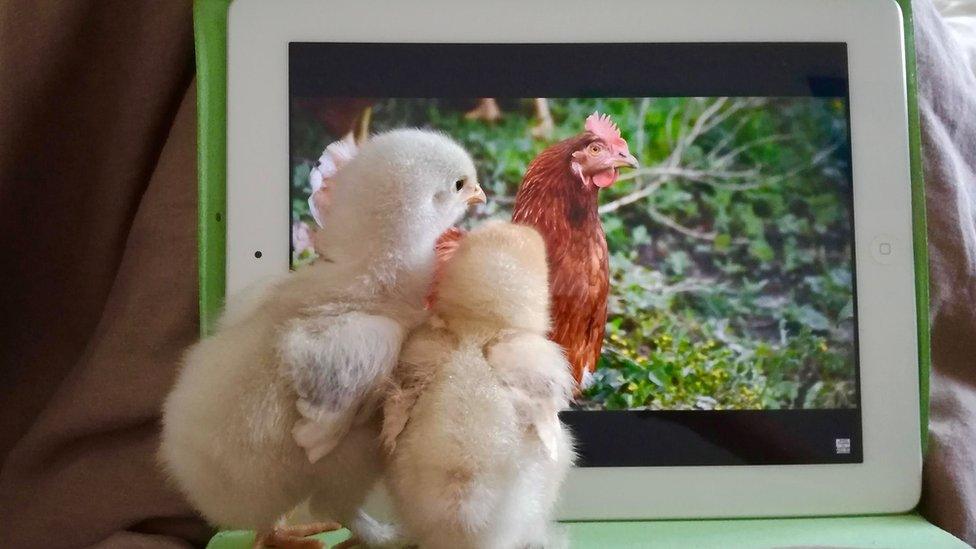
308,352
477,451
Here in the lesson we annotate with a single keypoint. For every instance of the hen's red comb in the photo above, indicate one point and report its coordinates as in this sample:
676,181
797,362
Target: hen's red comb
604,128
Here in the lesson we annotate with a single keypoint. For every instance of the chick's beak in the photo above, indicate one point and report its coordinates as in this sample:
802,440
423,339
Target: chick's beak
476,196
626,160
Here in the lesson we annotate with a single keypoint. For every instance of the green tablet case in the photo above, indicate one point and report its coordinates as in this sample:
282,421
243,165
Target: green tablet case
890,532
210,34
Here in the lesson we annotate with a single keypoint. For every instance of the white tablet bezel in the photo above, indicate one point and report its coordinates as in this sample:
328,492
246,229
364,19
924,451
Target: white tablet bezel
889,479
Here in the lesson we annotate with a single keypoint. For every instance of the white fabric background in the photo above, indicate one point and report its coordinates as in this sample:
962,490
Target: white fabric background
960,17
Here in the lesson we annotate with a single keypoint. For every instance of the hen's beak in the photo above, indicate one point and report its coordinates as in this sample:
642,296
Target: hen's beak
627,160
477,196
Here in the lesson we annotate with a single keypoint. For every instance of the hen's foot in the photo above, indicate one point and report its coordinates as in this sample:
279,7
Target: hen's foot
543,129
487,110
295,537
544,126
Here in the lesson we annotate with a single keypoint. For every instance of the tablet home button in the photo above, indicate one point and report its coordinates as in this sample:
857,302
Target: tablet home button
883,249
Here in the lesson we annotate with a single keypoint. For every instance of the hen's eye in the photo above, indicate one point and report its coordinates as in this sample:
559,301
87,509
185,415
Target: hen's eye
594,149
458,185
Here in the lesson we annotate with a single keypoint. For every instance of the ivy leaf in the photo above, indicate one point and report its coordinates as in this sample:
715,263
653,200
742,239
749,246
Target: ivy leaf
847,312
654,379
722,242
762,251
812,318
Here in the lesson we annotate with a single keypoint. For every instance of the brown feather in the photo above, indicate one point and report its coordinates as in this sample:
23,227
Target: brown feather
554,201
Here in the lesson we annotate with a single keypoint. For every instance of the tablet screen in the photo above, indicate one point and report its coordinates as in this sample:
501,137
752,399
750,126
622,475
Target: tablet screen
721,329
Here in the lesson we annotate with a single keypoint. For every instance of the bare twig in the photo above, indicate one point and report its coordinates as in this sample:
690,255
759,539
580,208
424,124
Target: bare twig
689,173
694,285
700,124
726,139
665,174
731,155
643,192
815,161
645,189
736,106
668,122
717,172
709,236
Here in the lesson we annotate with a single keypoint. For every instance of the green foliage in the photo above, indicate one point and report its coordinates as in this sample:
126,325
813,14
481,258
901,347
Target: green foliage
730,247
673,374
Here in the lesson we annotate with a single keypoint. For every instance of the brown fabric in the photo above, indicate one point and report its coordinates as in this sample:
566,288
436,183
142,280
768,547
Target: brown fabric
97,217
97,236
947,99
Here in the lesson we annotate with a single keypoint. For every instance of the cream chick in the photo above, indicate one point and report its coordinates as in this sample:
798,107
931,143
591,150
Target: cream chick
279,405
476,449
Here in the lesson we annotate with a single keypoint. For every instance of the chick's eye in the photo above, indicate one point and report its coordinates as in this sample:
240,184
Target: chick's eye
458,185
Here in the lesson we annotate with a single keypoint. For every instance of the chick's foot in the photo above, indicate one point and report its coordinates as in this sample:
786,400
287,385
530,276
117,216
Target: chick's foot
295,536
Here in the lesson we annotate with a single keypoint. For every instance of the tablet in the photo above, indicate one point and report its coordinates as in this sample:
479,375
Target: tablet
759,352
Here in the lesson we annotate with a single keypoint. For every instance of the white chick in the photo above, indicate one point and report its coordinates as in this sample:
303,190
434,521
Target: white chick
477,451
302,358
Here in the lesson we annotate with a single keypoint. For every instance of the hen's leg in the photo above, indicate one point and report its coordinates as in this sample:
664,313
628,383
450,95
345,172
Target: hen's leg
544,125
486,110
